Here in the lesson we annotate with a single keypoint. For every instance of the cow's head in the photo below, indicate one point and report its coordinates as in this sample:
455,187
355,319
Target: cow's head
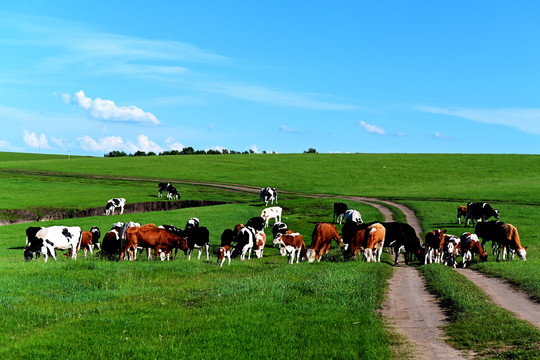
368,255
522,253
483,256
311,255
496,212
28,254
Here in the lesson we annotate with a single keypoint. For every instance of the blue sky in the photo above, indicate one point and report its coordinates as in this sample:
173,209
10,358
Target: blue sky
339,76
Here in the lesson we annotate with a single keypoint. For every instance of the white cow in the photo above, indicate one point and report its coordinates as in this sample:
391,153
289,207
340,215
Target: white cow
353,215
114,203
48,239
273,212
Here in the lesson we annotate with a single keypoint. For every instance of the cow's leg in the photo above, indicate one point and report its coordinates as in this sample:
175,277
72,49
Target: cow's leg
200,252
189,254
207,252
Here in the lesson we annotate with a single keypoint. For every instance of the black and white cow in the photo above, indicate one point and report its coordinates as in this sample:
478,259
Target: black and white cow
192,223
269,194
172,193
30,234
339,212
114,203
48,239
279,228
162,187
353,215
197,238
245,239
480,211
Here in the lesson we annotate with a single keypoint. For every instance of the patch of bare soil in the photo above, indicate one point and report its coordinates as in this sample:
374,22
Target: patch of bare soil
22,216
506,296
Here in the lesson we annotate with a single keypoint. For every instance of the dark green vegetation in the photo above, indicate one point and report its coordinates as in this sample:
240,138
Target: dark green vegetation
180,309
478,325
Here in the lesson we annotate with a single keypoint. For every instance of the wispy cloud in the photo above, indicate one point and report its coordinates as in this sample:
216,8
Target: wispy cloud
372,128
287,129
107,110
526,120
263,94
438,135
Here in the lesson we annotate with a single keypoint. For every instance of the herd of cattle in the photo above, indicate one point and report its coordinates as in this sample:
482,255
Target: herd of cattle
124,240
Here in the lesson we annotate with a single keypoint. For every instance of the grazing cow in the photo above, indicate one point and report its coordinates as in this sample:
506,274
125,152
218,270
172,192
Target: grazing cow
353,237
114,203
227,237
480,211
279,228
259,244
245,239
470,245
48,239
291,245
339,212
374,241
150,237
401,236
111,245
488,231
31,234
257,223
271,213
322,237
268,194
450,250
89,240
353,215
197,238
461,211
433,245
172,193
508,240
162,187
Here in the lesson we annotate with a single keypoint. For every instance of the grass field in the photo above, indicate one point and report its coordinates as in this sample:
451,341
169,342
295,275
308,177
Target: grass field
183,309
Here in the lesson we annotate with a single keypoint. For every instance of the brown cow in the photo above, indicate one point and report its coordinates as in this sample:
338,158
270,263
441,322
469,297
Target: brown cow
508,240
289,244
434,244
322,237
260,242
470,245
89,239
149,237
461,211
224,253
374,241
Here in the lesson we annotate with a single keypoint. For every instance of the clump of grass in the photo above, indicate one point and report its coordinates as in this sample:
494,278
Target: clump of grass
475,323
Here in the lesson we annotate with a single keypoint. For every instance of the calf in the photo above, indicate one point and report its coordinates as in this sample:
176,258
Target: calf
433,245
224,253
470,245
322,237
271,213
353,215
374,241
48,239
114,203
291,245
461,211
450,250
480,211
339,212
260,242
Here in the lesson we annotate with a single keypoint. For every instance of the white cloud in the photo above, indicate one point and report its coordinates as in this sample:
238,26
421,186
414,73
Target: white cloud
287,129
526,119
108,110
438,135
254,149
372,128
4,144
105,145
147,145
174,145
33,140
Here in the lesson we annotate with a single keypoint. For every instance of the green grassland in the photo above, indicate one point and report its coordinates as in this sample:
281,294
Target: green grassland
184,309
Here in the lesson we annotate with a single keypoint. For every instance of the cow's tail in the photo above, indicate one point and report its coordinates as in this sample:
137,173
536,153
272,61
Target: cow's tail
303,251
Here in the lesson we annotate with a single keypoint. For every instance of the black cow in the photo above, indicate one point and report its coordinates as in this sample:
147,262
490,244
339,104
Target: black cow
480,211
197,238
488,231
162,187
31,234
339,212
402,236
257,223
227,237
172,193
